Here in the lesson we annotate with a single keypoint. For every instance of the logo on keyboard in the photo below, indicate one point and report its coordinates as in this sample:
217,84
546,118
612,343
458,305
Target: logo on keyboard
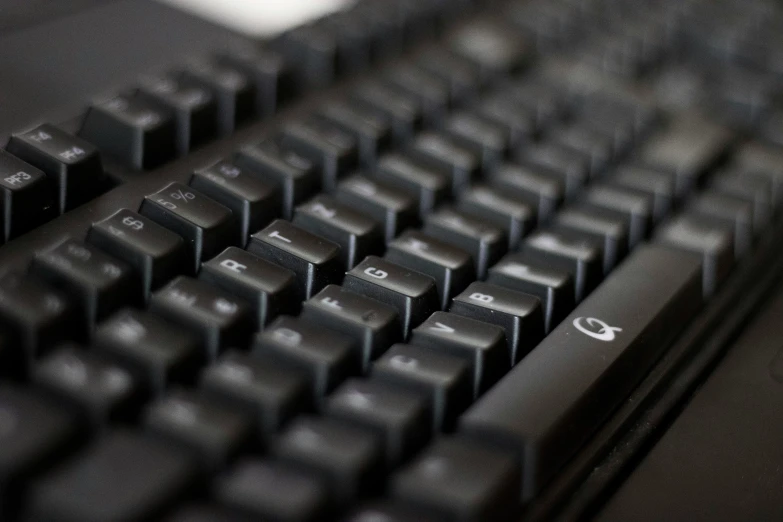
596,328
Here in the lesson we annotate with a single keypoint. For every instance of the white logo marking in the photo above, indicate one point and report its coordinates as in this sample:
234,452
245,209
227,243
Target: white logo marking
596,328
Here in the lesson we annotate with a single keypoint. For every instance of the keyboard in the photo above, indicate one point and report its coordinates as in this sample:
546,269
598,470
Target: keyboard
413,261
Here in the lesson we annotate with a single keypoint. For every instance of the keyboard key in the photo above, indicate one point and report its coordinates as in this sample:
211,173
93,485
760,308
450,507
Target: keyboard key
609,231
462,77
98,390
253,202
431,92
658,184
295,174
461,481
27,197
517,121
451,268
326,356
213,434
96,283
345,458
373,324
371,132
400,418
635,208
412,294
137,133
72,164
514,217
233,91
485,242
123,477
755,189
713,242
207,226
36,432
312,52
481,345
597,148
389,512
542,192
394,209
491,46
483,137
272,491
580,256
403,110
156,353
357,234
193,108
446,379
333,151
268,394
519,315
219,319
269,73
566,165
438,152
429,186
36,316
314,260
734,212
269,289
155,253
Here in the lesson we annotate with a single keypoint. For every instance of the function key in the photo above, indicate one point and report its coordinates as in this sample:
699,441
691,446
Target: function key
269,72
314,260
27,197
70,162
207,226
193,107
136,132
254,202
233,91
97,283
156,253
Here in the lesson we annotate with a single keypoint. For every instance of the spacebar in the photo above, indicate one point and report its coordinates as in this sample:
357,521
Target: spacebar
550,403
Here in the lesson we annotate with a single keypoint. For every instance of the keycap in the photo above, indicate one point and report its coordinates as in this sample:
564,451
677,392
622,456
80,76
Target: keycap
514,217
491,46
755,189
332,151
216,317
268,288
403,110
210,432
253,202
542,192
312,52
372,323
36,432
542,100
97,389
269,73
520,315
688,147
578,255
371,132
429,187
268,394
155,352
756,159
635,208
155,253
347,459
713,242
517,121
393,208
483,137
295,174
34,314
124,476
445,378
96,283
314,260
483,241
660,185
550,159
554,287
71,164
438,152
272,491
462,77
452,268
413,295
27,197
401,419
733,212
233,91
461,481
206,226
133,131
608,342
481,345
597,148
431,92
611,232
192,107
358,235
326,356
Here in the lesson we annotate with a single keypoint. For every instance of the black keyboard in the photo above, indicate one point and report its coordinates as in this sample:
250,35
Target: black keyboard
402,263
